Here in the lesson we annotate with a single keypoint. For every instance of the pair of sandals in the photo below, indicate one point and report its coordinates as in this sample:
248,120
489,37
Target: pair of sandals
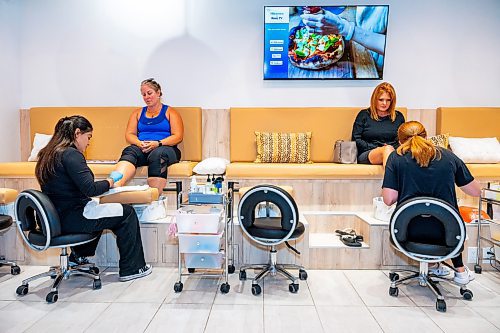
349,237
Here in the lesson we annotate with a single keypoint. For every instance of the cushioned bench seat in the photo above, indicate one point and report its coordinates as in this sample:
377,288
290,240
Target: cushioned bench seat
250,170
27,169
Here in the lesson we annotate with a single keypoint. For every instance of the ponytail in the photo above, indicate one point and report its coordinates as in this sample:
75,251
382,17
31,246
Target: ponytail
412,136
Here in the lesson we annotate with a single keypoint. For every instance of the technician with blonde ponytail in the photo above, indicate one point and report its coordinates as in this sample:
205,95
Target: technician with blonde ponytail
419,168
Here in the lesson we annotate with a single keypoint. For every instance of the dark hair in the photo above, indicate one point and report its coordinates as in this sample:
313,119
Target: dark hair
153,84
64,136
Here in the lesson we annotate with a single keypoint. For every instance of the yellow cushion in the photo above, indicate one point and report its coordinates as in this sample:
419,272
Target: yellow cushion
135,197
487,171
27,169
109,123
327,124
469,122
249,170
440,140
283,147
7,195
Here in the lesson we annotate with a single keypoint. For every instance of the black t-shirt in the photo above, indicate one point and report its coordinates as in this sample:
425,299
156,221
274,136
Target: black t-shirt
403,174
73,183
370,134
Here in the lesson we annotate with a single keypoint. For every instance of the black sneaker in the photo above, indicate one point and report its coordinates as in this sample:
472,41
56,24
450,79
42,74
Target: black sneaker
74,261
141,272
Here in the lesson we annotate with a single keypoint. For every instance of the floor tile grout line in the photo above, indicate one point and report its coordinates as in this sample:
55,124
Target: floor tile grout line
315,307
475,310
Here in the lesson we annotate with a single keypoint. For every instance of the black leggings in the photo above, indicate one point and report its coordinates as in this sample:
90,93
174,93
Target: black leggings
127,231
431,232
157,160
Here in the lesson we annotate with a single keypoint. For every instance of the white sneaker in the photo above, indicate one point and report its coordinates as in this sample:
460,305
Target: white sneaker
464,277
141,272
440,270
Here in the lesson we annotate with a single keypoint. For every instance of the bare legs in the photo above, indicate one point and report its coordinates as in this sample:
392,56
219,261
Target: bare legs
379,155
157,182
128,171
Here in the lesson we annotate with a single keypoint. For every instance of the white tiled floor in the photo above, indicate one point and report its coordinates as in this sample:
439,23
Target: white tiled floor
330,301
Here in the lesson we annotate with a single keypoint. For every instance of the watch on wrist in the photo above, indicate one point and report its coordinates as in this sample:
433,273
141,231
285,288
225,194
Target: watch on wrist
159,143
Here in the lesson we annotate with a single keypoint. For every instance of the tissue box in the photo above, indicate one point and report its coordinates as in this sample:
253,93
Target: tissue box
202,198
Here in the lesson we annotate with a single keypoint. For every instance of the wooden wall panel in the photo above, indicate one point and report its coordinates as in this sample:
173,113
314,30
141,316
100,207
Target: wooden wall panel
425,116
215,133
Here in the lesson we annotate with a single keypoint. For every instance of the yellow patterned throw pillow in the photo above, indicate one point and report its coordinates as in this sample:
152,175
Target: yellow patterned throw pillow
440,140
283,147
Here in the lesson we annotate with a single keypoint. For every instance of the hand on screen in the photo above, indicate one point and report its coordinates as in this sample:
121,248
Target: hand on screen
328,23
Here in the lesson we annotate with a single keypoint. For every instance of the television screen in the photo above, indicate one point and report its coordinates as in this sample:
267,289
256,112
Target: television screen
324,42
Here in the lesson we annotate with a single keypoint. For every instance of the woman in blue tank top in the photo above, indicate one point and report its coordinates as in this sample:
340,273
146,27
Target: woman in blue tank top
153,133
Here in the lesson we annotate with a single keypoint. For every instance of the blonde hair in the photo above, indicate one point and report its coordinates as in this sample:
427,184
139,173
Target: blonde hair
412,136
384,87
153,85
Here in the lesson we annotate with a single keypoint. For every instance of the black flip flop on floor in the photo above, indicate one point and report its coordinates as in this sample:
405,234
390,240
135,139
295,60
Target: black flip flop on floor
351,240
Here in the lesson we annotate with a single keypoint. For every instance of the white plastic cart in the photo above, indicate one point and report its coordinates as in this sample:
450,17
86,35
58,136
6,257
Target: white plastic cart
203,238
489,197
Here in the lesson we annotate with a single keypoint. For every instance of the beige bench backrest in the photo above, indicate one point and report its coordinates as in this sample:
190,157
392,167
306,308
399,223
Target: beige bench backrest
109,125
469,122
327,125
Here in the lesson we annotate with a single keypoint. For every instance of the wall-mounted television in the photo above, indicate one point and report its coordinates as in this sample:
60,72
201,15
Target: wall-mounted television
325,42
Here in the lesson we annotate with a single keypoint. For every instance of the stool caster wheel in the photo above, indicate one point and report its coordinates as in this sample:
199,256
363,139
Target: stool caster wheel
302,274
393,276
243,275
52,297
231,269
178,287
191,270
478,269
224,288
94,270
256,289
293,287
15,270
97,284
394,291
441,305
467,294
22,290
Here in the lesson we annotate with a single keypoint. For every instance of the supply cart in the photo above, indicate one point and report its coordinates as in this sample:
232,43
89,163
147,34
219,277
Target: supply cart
489,197
202,226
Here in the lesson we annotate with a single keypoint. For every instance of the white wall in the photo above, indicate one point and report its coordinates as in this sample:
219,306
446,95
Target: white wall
209,53
10,82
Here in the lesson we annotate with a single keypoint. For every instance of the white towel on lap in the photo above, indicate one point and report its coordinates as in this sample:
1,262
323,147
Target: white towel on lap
94,210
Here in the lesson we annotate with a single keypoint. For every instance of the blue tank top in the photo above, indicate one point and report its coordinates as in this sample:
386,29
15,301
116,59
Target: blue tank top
152,129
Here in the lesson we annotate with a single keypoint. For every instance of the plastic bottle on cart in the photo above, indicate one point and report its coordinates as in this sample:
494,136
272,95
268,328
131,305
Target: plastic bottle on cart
194,186
208,185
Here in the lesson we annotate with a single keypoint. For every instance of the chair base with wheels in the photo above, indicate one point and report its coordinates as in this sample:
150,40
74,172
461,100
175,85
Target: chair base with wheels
273,268
270,229
7,196
39,225
426,279
58,273
427,230
5,223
